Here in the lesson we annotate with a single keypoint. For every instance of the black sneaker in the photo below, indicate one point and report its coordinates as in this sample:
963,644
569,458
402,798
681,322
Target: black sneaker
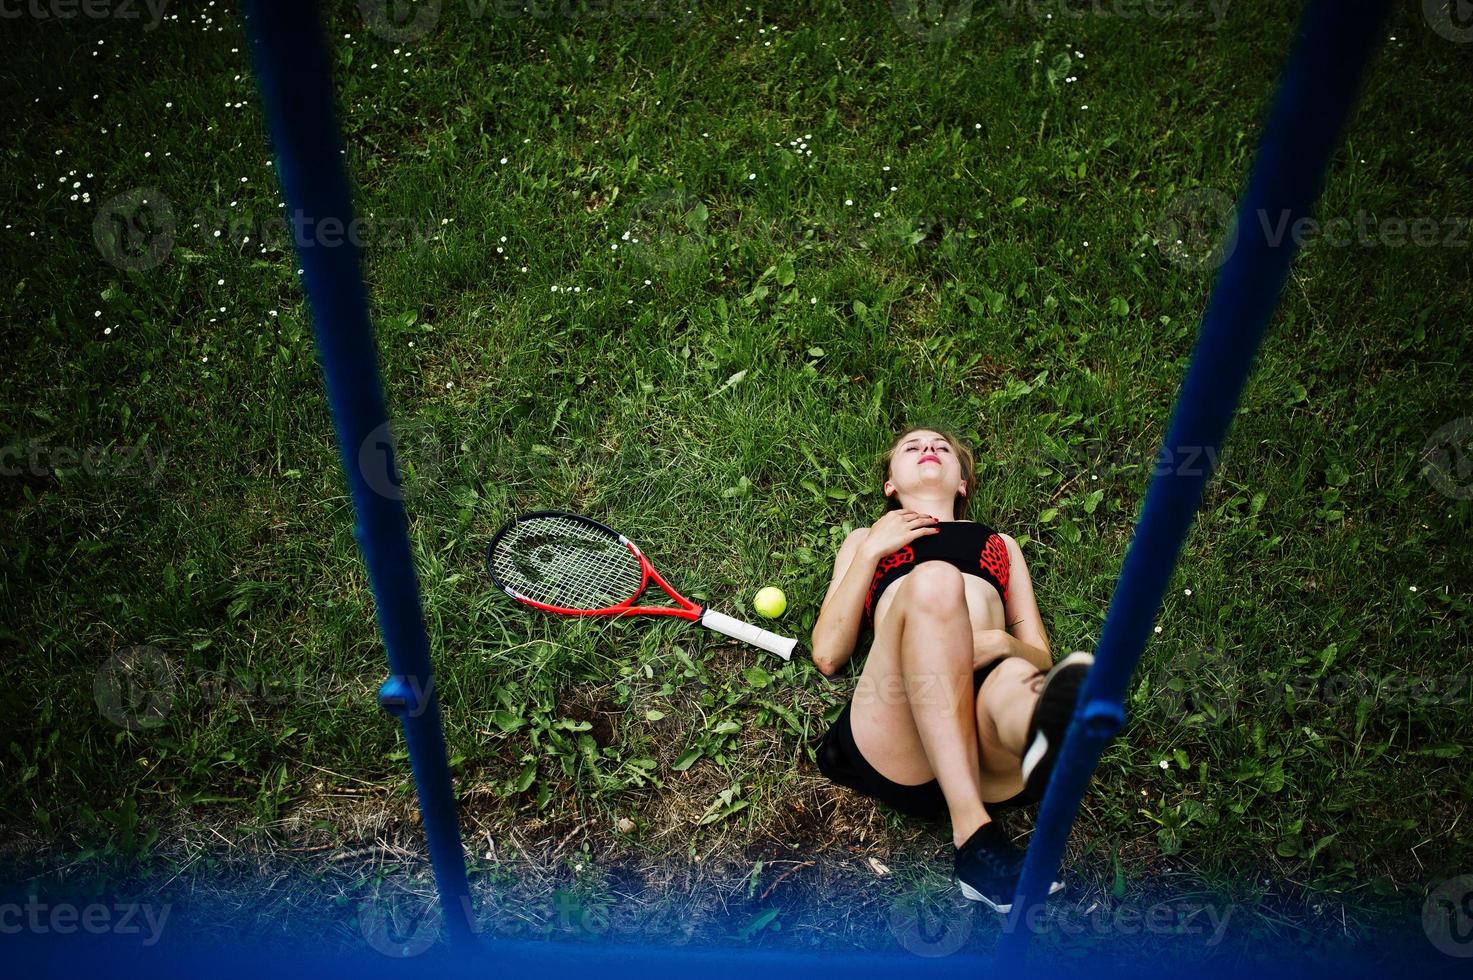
988,867
1050,721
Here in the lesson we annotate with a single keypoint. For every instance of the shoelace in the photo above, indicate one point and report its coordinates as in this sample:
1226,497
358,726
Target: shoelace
1004,858
1000,862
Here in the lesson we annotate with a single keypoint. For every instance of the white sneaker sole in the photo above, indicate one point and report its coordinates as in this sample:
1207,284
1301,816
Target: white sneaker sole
977,896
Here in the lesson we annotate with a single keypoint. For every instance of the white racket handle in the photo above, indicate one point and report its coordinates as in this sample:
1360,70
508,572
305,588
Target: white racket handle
755,635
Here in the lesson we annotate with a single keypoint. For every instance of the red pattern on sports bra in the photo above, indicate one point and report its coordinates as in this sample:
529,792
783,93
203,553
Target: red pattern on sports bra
995,561
904,556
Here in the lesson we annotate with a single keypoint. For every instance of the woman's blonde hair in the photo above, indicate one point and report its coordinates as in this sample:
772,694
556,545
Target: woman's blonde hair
963,455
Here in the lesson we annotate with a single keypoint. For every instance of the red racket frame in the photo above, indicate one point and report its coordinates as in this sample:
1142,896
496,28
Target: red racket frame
688,610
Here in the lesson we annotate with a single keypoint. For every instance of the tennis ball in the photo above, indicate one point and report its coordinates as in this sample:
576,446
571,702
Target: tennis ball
770,602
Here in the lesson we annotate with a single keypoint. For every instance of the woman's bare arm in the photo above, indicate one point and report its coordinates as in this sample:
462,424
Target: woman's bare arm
1026,636
837,628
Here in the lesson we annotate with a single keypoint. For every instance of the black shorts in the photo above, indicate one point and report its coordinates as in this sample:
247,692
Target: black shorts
839,759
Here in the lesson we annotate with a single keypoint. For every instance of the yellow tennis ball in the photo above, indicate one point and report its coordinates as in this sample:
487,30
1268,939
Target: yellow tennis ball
770,602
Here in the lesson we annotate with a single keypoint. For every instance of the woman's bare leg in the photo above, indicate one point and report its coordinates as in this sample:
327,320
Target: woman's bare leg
932,669
1004,705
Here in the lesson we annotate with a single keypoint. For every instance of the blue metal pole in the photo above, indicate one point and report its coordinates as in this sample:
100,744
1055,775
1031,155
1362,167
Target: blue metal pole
1319,87
291,63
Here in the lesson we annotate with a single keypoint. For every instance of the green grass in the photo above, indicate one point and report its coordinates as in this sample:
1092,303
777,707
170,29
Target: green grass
726,415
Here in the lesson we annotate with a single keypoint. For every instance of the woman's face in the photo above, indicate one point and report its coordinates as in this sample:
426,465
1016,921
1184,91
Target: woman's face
924,462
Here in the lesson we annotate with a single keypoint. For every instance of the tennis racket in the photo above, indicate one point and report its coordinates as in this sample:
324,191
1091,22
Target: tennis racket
571,565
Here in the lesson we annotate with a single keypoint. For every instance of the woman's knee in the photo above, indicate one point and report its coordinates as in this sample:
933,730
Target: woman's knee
934,586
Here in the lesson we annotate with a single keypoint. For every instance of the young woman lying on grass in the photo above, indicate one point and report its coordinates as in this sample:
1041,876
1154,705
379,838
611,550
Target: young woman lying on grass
948,600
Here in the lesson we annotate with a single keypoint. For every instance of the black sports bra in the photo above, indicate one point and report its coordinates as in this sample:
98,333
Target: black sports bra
974,548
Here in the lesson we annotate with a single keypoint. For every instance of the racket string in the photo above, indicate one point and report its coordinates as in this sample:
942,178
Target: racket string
562,562
587,573
585,578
